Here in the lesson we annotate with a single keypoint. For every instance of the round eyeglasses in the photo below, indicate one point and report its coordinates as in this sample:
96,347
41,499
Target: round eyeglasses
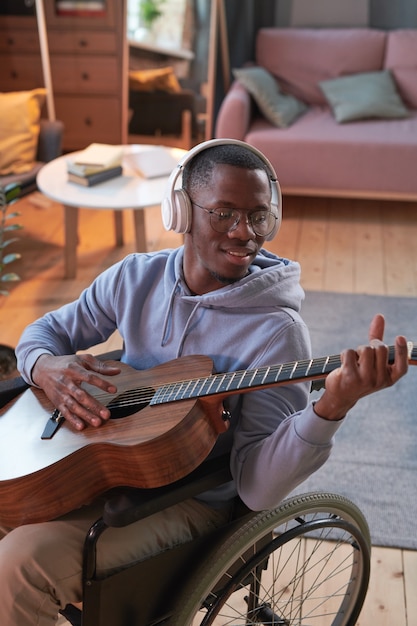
224,220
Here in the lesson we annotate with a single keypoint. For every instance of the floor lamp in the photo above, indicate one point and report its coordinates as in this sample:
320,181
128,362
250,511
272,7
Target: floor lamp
46,66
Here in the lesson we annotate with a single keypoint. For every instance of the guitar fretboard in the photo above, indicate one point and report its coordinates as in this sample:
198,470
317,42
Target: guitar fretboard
245,380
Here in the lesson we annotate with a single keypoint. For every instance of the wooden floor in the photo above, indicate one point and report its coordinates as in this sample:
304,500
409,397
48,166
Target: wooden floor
342,245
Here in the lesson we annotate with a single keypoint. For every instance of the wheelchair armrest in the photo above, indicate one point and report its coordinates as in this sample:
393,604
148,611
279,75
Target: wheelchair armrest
11,388
112,355
135,504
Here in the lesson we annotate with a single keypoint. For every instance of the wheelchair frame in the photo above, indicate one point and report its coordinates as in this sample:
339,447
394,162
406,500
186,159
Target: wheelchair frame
223,562
300,541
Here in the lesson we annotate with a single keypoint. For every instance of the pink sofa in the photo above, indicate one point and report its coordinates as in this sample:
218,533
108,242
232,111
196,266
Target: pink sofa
316,155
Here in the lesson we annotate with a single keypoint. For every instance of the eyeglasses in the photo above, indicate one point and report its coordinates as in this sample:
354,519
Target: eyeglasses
224,220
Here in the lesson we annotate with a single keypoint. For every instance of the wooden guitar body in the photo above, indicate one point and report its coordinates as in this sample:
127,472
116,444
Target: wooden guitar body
41,479
169,419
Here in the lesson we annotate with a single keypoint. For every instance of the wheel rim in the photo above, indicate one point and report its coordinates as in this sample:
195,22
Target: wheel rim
317,575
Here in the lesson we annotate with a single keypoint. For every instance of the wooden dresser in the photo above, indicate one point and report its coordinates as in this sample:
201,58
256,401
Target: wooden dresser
20,65
88,59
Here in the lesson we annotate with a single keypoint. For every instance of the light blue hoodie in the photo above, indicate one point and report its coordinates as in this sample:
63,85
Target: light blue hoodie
275,438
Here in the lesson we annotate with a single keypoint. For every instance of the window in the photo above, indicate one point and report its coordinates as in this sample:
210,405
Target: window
161,22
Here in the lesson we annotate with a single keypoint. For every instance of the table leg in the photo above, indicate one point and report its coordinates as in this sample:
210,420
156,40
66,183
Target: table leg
140,232
118,227
71,240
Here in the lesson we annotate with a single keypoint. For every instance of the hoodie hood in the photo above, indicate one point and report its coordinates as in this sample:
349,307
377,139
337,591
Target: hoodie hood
272,283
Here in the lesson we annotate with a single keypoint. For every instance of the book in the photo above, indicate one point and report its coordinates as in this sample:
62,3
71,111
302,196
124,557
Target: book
87,170
97,177
151,163
99,156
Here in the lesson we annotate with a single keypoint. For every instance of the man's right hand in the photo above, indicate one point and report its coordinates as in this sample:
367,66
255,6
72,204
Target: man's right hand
61,377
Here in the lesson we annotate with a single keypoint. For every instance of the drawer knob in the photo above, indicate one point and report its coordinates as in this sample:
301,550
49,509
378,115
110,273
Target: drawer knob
10,41
85,76
88,121
83,43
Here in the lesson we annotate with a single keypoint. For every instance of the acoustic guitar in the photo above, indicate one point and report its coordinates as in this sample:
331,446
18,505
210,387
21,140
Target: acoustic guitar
164,422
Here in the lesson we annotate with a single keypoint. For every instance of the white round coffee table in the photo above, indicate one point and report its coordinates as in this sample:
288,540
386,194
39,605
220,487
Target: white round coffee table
129,191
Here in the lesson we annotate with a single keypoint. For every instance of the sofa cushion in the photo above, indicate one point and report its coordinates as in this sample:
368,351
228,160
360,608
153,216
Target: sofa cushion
281,110
316,153
401,59
300,58
19,129
362,96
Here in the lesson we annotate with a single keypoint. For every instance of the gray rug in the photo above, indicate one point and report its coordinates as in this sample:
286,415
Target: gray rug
374,460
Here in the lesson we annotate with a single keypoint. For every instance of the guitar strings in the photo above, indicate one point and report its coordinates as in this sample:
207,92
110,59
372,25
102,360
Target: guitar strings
144,395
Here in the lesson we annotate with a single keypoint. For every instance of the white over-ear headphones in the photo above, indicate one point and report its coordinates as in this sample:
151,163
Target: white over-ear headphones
177,207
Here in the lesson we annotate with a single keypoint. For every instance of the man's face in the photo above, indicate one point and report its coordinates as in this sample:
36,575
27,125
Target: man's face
213,259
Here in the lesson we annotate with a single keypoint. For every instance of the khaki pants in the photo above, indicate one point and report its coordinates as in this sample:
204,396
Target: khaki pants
41,564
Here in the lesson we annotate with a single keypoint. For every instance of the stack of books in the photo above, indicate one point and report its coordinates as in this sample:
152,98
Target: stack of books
96,164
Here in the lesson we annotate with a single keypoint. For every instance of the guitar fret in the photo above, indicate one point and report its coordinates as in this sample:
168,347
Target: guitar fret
232,384
300,369
259,376
250,374
285,372
318,366
206,386
293,370
277,374
177,391
256,378
223,378
186,390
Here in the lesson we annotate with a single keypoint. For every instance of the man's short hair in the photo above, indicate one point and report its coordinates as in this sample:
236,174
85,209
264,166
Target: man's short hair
197,172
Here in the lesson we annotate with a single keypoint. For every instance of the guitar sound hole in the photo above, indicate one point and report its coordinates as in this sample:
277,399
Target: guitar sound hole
130,402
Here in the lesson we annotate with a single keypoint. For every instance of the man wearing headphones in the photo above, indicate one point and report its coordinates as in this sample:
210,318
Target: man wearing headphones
220,294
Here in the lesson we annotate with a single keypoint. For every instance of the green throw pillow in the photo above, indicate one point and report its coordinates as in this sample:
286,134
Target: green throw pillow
361,96
278,108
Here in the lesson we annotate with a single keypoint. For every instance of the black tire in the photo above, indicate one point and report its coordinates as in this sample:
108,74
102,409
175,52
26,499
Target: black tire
305,563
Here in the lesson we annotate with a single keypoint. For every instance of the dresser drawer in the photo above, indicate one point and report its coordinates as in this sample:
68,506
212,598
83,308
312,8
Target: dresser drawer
85,74
19,41
82,42
88,119
20,72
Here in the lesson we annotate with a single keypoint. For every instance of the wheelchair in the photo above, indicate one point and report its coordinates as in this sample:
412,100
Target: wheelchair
305,563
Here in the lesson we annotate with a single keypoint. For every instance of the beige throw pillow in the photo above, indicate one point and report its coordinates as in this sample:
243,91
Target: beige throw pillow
362,96
20,113
278,108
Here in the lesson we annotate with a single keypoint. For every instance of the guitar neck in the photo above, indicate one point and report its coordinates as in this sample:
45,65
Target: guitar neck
243,381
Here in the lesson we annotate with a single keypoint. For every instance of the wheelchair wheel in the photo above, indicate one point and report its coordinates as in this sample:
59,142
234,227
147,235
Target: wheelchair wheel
305,563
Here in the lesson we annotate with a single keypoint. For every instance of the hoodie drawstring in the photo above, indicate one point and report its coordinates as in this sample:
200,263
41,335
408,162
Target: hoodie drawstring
168,317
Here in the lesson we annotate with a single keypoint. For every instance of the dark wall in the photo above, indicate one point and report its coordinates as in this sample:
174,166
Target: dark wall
384,14
244,18
389,14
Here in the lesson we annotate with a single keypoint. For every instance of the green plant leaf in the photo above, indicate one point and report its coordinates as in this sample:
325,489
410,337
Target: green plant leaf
10,216
13,227
10,277
8,196
9,258
6,243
